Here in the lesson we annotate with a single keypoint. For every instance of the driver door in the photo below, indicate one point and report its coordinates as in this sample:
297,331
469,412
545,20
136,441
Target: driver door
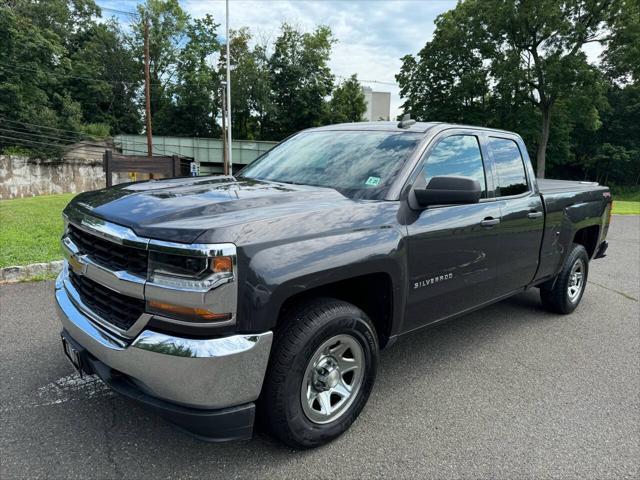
453,249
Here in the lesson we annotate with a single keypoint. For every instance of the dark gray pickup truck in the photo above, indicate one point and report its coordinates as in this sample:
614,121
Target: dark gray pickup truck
210,299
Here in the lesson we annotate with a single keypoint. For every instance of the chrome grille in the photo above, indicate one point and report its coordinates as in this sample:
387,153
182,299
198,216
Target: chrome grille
110,255
119,310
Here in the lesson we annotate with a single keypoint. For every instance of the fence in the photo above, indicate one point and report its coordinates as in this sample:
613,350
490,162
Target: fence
173,166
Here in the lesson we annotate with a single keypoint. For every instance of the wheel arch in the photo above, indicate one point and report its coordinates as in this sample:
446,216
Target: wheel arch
372,292
588,238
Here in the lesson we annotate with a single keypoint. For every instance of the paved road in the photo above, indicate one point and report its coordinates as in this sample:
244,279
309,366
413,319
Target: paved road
507,392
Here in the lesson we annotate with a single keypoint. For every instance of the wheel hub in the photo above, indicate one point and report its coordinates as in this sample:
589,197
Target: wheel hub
326,375
332,379
576,281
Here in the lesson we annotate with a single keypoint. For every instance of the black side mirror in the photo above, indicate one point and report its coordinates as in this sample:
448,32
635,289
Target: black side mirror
445,191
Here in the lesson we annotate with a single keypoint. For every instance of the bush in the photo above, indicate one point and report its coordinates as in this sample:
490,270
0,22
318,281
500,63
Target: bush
97,131
626,193
18,151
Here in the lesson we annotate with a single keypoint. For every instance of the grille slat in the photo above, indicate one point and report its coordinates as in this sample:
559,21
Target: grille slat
117,309
110,255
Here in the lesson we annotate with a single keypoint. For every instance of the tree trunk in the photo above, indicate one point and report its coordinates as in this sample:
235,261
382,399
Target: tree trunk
541,156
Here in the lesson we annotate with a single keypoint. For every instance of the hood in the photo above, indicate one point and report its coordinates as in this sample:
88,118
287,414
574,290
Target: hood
181,209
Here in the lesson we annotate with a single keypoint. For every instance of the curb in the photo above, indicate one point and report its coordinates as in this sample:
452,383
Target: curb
29,272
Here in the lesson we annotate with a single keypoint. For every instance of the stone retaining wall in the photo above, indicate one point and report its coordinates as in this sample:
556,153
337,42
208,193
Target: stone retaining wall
27,177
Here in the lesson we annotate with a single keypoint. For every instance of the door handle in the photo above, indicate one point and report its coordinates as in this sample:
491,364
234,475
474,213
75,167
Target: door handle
534,214
490,222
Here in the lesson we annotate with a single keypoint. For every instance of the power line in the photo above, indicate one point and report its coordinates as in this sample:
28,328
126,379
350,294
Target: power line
122,12
58,145
133,141
58,139
48,137
382,82
66,75
93,79
25,124
162,84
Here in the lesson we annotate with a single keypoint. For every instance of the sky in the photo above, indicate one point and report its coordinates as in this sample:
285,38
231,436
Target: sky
372,35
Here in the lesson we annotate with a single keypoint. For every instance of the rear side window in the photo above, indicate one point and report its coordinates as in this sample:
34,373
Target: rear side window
456,155
512,179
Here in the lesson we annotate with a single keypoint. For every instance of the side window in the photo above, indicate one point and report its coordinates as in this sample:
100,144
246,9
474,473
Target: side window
456,155
512,179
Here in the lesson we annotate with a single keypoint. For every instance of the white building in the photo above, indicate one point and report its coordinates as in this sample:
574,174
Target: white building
378,105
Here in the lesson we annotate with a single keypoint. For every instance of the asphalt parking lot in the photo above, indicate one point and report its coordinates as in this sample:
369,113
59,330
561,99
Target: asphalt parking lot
507,392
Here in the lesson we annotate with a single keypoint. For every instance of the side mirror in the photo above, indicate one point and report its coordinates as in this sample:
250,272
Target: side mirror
445,191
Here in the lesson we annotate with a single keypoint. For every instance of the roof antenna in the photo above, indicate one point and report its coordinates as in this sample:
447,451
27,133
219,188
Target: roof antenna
406,121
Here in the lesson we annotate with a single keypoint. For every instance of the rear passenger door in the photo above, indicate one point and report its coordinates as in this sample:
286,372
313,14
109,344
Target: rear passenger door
453,250
522,215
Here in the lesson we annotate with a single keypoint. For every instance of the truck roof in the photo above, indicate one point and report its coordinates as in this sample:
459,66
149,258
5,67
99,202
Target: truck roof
418,127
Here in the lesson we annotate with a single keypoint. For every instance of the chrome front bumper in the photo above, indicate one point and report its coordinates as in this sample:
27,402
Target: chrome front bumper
201,373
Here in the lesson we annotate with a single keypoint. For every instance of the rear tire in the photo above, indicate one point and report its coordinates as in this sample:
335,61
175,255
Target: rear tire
567,290
321,372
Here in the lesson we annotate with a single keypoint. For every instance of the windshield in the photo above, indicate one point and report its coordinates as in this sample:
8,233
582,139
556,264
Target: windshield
359,164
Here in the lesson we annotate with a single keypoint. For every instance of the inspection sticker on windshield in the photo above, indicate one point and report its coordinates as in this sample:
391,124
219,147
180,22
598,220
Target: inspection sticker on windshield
372,181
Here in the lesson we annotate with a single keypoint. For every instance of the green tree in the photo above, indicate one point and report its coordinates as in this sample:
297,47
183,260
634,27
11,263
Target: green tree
622,56
250,84
106,79
300,79
530,47
547,36
34,67
194,108
621,128
347,102
447,81
167,29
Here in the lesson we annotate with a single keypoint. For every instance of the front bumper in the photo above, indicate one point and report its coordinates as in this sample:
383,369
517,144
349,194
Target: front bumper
205,374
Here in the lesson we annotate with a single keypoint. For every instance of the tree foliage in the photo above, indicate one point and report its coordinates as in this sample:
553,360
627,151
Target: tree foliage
61,70
300,79
520,65
347,102
193,108
622,56
67,73
250,80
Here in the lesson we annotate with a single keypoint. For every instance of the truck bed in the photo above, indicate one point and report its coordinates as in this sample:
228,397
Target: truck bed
559,186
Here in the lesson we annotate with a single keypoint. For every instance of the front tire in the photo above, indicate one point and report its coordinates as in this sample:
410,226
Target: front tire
321,372
569,285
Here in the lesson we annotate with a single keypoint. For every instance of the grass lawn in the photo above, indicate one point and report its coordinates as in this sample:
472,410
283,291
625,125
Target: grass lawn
626,200
621,207
30,229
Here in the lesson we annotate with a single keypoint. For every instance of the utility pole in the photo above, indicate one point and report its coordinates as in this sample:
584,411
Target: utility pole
147,89
225,149
228,98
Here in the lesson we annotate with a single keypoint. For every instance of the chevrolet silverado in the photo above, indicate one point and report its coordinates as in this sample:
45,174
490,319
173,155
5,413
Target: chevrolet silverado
219,300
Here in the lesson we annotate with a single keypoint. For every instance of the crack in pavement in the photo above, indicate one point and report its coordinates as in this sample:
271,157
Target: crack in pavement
629,297
108,430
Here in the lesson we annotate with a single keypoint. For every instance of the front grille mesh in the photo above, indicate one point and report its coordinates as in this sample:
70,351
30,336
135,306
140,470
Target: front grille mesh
110,255
117,309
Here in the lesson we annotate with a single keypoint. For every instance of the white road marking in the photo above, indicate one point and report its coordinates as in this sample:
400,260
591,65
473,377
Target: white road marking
65,389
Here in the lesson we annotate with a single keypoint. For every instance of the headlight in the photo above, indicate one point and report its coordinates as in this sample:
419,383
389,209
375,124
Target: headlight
192,283
189,272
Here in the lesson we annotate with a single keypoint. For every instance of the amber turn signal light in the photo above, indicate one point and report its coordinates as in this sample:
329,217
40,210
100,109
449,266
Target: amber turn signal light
186,313
222,264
